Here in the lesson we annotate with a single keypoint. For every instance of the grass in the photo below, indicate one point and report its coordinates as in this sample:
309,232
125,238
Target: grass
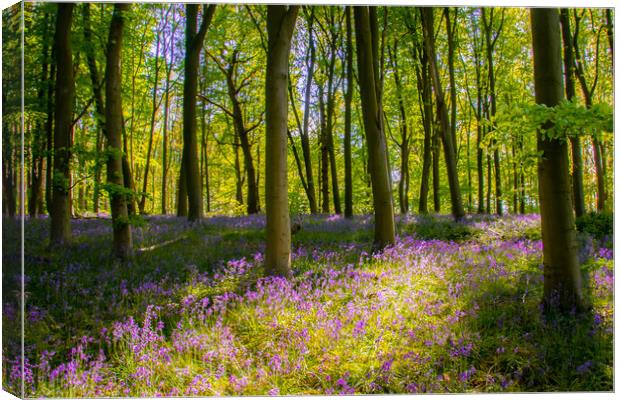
449,308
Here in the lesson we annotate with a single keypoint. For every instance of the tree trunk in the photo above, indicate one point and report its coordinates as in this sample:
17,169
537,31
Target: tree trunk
348,96
280,26
324,162
426,111
329,120
127,175
403,184
182,191
610,33
155,106
562,280
490,45
122,242
60,229
99,105
575,141
588,93
38,145
49,129
305,137
370,94
193,45
164,155
442,113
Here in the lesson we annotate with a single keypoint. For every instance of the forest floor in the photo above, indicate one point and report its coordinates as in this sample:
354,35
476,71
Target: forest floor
449,308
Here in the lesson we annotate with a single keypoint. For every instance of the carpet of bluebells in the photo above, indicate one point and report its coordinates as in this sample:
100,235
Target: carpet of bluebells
449,308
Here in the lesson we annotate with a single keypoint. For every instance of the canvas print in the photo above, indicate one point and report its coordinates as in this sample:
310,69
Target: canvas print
251,199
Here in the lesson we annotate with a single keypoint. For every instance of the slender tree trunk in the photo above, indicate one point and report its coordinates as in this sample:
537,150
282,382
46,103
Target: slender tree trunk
304,134
182,191
588,93
490,45
329,118
127,175
403,187
60,229
122,241
164,154
370,93
442,113
451,32
155,106
562,283
49,129
324,162
96,83
193,46
610,33
348,96
238,174
426,111
575,141
280,26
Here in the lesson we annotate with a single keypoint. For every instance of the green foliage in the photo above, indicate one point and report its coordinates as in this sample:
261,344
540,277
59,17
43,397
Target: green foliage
596,224
569,119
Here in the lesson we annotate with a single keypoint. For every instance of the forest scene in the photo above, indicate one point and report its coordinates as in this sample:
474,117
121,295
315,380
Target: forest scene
226,200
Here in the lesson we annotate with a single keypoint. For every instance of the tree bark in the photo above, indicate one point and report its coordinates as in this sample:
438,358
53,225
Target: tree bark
588,93
164,155
96,83
155,106
38,145
122,241
578,194
425,100
280,26
60,229
370,93
490,46
348,96
324,149
403,183
562,277
442,113
193,45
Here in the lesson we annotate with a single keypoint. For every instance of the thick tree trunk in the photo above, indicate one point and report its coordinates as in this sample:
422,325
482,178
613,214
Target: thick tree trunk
442,113
280,26
562,283
60,229
370,94
122,242
193,45
348,96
